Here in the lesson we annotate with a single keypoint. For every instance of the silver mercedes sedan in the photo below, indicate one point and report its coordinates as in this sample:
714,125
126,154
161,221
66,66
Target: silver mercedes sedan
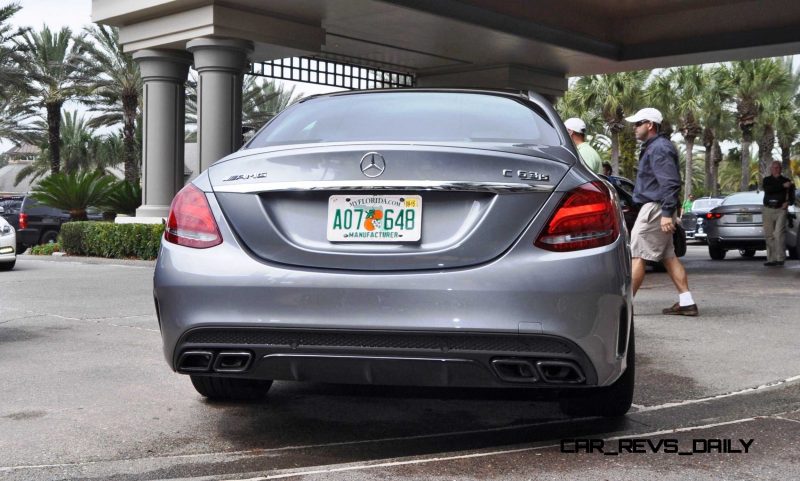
414,237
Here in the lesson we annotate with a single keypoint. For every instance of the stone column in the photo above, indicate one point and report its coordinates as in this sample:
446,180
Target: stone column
221,64
164,75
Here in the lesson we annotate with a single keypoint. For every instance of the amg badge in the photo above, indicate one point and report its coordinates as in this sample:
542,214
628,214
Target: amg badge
260,175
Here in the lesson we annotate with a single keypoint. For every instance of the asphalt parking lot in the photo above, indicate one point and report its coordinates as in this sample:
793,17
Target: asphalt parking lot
86,394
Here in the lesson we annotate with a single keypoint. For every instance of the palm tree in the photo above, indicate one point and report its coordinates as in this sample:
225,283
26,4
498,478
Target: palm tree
752,79
263,99
116,92
615,95
716,120
57,73
74,192
660,94
12,57
689,84
15,115
787,117
80,148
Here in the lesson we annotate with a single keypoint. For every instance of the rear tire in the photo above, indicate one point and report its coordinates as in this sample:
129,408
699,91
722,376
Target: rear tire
230,389
49,237
610,401
716,252
747,252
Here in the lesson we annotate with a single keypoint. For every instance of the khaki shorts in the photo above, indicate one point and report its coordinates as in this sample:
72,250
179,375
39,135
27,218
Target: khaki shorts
648,241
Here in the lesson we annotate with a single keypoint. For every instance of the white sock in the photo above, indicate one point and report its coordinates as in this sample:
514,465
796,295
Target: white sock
685,299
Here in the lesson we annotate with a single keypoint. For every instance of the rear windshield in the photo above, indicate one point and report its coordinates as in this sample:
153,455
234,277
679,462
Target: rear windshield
409,117
744,198
705,204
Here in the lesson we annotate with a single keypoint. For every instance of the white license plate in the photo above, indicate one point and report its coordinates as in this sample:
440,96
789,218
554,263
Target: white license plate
374,218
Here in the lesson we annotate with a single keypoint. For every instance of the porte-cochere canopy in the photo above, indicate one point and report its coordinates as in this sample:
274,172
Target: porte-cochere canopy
519,44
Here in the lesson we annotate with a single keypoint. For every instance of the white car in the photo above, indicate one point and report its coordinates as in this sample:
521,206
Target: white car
8,246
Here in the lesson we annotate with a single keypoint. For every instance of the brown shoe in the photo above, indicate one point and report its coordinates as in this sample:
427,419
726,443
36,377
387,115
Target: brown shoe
678,310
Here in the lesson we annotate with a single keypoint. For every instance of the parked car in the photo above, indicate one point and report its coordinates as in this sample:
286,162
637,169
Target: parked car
434,238
736,223
8,244
630,209
694,221
40,224
793,229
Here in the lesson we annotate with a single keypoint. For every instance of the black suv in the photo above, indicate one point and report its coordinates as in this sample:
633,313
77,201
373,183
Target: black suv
11,204
40,224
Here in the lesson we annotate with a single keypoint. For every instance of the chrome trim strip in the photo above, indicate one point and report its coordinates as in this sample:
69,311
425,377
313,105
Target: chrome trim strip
371,185
366,358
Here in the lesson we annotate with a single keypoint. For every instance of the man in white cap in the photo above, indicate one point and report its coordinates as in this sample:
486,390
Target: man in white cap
658,185
577,131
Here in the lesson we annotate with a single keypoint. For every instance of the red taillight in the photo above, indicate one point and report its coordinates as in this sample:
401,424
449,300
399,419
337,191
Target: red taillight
713,215
586,218
191,222
23,221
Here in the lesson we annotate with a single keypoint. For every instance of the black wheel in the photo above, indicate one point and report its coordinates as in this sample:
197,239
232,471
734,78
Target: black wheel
229,389
610,401
747,252
716,252
7,266
49,237
21,248
794,252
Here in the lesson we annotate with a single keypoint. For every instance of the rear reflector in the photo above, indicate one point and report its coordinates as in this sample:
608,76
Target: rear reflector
191,222
23,221
586,218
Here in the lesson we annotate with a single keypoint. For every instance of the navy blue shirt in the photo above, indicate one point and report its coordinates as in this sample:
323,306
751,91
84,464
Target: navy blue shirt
659,177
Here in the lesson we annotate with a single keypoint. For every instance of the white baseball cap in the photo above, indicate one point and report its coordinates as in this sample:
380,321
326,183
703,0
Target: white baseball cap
649,113
576,125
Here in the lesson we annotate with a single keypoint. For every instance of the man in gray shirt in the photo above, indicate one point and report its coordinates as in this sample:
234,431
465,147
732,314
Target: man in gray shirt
658,185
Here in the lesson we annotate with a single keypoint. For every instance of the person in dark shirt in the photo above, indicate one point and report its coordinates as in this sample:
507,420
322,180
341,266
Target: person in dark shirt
778,192
658,184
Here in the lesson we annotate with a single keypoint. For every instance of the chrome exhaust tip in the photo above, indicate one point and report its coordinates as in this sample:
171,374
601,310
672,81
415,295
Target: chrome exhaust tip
560,372
195,361
515,370
230,361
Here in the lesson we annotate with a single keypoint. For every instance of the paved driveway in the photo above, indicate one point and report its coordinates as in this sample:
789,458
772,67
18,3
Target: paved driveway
87,395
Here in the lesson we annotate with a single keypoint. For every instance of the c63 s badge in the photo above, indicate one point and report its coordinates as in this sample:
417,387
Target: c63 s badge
526,175
259,175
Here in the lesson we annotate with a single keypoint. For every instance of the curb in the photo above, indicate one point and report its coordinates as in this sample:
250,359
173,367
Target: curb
87,260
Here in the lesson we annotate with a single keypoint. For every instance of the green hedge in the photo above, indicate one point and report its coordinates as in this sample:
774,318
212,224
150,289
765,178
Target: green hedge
105,239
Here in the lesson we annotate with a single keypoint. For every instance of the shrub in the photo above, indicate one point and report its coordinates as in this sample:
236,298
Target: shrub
104,239
45,249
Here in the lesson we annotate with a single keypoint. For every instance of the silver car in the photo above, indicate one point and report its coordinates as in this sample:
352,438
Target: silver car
415,237
737,223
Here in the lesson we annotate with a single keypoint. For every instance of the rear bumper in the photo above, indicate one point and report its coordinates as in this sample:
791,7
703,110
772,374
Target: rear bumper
580,300
28,237
388,358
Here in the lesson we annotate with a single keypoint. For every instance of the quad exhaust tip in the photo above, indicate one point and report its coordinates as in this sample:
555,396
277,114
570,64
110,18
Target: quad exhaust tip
206,361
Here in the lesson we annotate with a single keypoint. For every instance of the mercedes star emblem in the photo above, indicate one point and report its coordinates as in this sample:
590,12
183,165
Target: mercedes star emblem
372,164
